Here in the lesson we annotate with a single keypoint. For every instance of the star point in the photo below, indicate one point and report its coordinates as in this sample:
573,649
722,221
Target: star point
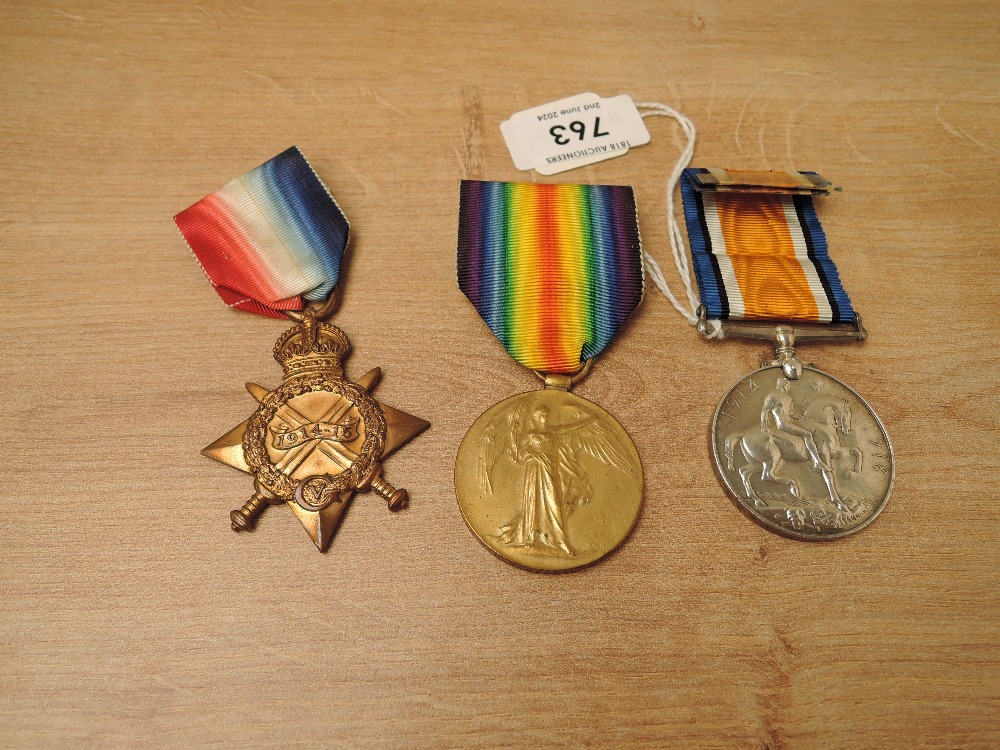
400,428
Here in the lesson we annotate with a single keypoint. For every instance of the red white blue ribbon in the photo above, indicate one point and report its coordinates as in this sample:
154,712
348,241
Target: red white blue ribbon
271,240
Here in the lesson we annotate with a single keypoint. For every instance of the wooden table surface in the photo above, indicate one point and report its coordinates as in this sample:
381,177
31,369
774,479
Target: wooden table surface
130,615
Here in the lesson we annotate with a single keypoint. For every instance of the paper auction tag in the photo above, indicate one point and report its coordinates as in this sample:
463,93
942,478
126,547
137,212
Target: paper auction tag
573,132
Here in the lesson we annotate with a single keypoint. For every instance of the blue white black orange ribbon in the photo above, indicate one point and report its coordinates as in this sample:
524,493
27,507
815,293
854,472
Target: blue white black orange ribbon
554,270
271,239
758,250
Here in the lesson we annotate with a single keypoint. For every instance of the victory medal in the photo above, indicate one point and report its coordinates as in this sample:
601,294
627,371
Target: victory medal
548,480
272,242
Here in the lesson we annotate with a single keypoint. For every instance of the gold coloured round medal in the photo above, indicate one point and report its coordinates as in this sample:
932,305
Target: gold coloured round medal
806,457
548,481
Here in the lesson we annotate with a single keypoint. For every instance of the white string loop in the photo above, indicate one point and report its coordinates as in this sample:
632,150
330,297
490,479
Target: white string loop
690,313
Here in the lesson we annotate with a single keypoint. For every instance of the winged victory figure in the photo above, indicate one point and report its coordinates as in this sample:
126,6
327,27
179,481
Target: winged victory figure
549,447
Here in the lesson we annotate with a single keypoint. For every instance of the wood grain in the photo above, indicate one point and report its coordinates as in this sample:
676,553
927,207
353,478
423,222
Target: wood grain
131,616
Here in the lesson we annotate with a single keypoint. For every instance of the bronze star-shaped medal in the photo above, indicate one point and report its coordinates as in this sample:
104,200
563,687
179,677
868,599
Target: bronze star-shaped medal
317,438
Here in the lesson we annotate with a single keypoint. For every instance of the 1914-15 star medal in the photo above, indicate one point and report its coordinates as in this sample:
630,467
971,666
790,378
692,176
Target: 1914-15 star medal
317,438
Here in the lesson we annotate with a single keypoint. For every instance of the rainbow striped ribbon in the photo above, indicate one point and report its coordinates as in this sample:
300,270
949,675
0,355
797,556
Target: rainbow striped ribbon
271,239
554,270
758,248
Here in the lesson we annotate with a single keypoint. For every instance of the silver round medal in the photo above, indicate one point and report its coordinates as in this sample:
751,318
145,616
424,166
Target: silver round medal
805,456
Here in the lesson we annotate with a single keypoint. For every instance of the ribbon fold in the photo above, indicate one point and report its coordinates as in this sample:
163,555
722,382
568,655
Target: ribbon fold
271,240
758,249
554,270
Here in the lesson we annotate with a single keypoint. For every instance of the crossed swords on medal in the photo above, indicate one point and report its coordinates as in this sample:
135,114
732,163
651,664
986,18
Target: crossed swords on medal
329,446
400,429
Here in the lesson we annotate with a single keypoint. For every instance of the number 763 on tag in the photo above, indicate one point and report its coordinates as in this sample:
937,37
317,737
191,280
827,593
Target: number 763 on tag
558,132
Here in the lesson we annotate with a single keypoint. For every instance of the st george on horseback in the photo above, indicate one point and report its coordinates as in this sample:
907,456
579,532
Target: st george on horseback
783,437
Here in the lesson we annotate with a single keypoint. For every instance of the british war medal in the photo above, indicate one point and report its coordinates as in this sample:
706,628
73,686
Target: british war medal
800,451
548,480
271,242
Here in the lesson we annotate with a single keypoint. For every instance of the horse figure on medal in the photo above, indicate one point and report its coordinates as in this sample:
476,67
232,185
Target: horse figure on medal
781,437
